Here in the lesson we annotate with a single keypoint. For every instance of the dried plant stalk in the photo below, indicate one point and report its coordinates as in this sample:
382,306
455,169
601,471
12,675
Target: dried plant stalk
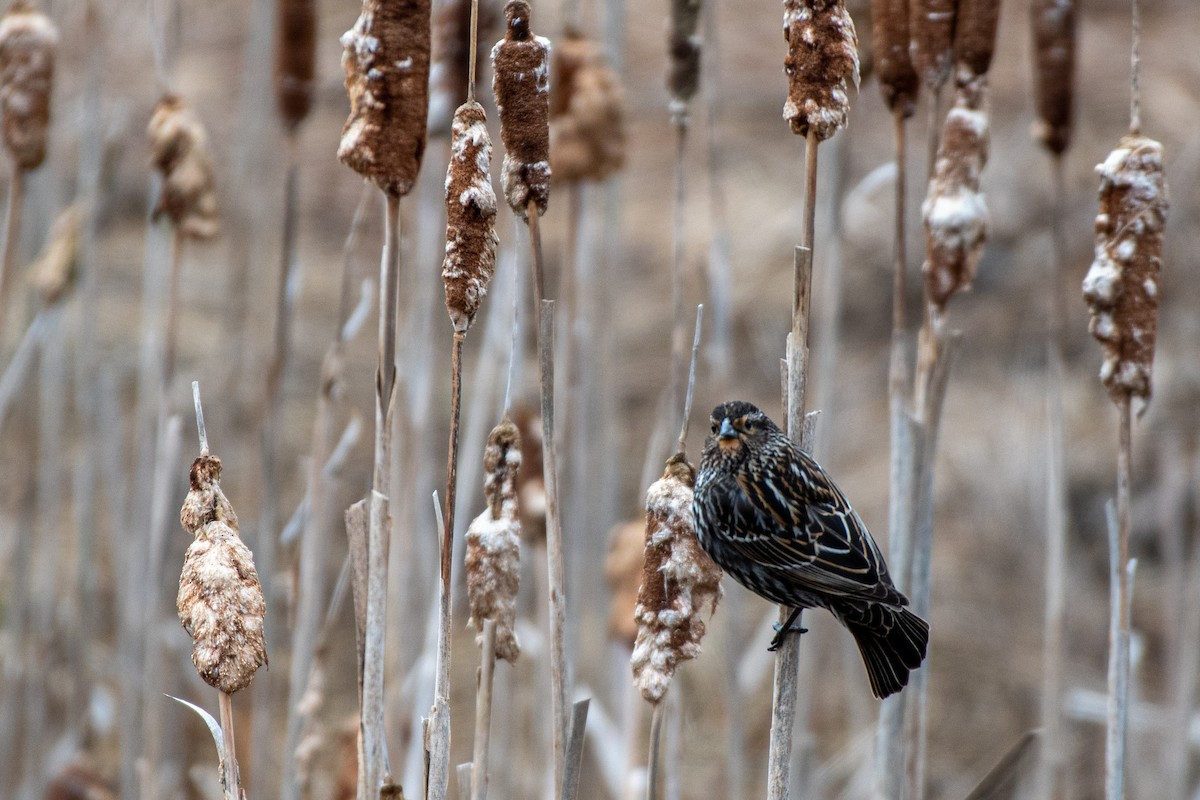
683,54
1121,287
179,147
931,28
220,599
386,59
470,217
295,59
974,39
587,113
678,581
521,84
822,60
897,79
28,43
1054,51
493,543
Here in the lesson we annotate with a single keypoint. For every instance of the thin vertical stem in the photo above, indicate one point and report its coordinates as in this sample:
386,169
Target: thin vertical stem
1118,658
201,431
483,711
900,242
232,780
535,243
677,249
12,234
935,129
654,772
474,36
691,383
1135,65
171,323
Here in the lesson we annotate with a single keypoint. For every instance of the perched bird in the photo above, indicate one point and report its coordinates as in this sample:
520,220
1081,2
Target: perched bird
773,519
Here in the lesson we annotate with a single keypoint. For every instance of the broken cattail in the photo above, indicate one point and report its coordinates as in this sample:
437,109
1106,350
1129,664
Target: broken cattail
28,41
822,59
386,59
470,217
493,543
1121,287
678,581
295,59
1054,46
220,599
179,148
683,54
623,573
587,113
451,67
974,43
521,84
55,270
931,31
897,78
954,210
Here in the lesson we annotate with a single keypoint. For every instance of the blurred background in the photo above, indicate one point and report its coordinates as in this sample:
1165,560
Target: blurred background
91,477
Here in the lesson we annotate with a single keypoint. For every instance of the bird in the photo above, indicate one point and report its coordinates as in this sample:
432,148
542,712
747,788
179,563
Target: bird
772,518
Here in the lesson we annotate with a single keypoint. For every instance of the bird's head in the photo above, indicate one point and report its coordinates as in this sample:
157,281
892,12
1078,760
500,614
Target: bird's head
738,429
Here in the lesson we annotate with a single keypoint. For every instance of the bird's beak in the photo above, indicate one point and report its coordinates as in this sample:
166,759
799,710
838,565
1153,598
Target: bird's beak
727,432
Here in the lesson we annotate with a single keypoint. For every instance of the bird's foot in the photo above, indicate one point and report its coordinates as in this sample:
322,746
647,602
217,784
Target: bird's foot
781,631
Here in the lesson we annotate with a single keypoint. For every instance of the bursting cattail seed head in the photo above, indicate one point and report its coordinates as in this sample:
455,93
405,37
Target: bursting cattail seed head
179,148
1054,49
493,560
931,32
1122,285
470,217
678,581
587,113
683,54
28,42
897,79
220,599
295,59
521,84
386,59
821,62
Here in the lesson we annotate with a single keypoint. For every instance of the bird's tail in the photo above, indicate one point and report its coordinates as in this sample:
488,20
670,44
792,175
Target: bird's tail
892,640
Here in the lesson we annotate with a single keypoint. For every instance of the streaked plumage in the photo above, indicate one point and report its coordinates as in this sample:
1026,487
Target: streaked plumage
773,519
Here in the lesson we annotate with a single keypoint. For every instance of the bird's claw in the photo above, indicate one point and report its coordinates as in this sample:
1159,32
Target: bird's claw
781,632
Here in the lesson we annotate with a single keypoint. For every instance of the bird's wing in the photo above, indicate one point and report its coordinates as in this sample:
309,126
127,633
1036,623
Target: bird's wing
798,522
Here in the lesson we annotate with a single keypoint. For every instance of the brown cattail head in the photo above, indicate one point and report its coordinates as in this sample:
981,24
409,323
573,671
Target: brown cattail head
28,41
54,272
521,84
897,79
295,59
493,560
683,55
822,60
955,214
470,217
1122,285
1054,51
974,39
386,59
678,581
587,113
179,148
451,68
623,573
931,28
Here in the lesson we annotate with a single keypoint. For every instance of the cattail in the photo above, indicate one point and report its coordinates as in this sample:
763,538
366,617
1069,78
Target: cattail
386,59
931,32
470,217
451,67
1121,287
54,272
531,482
974,40
220,600
897,79
822,59
28,41
1054,46
179,149
295,59
683,54
587,113
493,543
623,573
521,84
678,581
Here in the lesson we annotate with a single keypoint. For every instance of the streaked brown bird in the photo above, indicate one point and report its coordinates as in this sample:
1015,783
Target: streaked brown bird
772,518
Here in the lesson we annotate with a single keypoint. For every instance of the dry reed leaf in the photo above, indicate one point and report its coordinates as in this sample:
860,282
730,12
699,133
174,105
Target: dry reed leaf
678,581
683,54
471,237
1054,52
587,113
53,273
295,58
179,150
931,28
386,59
493,559
521,84
821,62
897,79
28,43
1122,285
451,67
623,573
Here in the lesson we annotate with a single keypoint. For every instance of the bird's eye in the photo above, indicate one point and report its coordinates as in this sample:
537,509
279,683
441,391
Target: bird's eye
714,426
748,425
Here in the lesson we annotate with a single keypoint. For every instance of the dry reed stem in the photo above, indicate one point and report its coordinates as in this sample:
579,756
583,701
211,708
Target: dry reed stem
521,84
295,59
821,62
573,766
179,151
683,55
1121,569
12,232
898,80
483,711
386,60
587,113
655,758
28,43
471,239
1053,23
231,778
